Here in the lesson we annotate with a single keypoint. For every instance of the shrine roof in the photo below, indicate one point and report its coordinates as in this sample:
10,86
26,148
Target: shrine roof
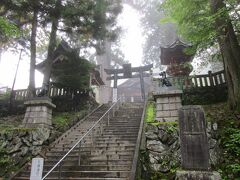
61,54
175,53
58,55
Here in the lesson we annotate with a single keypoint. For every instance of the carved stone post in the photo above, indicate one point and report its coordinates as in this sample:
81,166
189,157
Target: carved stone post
194,146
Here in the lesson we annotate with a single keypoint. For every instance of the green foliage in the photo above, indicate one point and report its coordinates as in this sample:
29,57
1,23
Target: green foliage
231,145
82,22
194,20
229,138
5,96
5,161
150,112
8,129
61,119
205,95
73,72
7,29
170,126
64,120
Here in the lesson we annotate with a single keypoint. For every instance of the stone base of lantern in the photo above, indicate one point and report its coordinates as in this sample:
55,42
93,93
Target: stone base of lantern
38,113
168,101
197,175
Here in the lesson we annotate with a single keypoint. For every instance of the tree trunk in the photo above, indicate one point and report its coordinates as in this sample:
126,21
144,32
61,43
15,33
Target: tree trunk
31,86
230,50
51,46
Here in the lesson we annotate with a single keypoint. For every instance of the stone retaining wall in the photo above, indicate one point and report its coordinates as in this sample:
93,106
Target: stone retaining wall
21,144
161,155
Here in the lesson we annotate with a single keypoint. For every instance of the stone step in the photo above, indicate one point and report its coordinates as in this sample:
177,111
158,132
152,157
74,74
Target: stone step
97,144
72,178
110,155
86,178
109,162
99,140
111,136
112,132
71,173
91,157
103,148
93,167
91,152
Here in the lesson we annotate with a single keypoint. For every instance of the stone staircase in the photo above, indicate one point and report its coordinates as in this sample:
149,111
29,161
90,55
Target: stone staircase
106,155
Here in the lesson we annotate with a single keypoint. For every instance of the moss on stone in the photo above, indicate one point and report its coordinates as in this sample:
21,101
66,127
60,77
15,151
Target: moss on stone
228,133
150,112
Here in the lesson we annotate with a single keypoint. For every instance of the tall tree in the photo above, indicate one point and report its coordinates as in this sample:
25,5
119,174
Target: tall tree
31,86
206,23
83,22
230,49
54,16
89,22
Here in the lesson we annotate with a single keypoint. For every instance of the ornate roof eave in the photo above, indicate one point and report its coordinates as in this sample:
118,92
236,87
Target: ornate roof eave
62,48
174,52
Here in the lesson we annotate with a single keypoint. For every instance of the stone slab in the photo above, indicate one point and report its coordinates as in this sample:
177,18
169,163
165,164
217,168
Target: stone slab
162,114
193,138
36,169
162,100
167,93
40,102
197,175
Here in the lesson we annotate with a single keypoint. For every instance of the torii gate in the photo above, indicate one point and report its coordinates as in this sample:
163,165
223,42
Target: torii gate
127,71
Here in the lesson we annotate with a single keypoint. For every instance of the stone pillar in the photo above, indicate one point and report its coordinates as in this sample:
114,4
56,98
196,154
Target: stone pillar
104,94
194,146
115,96
38,113
168,101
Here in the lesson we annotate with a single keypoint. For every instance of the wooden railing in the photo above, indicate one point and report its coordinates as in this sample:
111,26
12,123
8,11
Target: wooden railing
198,81
22,94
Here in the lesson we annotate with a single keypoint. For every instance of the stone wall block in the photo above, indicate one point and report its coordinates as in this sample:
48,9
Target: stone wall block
172,106
174,113
44,108
38,109
167,119
162,100
172,99
178,105
26,114
178,100
159,107
162,114
165,107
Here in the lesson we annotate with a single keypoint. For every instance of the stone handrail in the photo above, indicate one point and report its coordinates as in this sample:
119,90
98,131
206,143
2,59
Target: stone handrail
138,143
22,94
